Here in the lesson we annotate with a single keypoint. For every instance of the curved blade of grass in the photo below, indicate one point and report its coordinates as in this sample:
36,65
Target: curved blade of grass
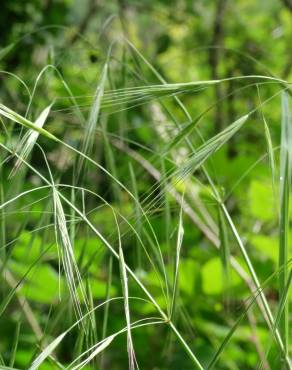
225,250
28,141
63,240
67,253
270,154
105,343
65,85
15,345
137,213
111,162
269,146
99,347
51,347
47,351
124,280
15,117
93,118
107,305
210,147
180,235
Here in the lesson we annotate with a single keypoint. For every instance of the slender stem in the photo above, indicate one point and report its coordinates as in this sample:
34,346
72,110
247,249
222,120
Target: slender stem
185,345
257,284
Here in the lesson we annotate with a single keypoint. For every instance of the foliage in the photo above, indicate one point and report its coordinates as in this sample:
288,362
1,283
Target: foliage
145,184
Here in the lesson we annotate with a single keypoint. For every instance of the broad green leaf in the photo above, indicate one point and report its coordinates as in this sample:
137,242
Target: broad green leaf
261,201
266,245
212,277
188,276
42,283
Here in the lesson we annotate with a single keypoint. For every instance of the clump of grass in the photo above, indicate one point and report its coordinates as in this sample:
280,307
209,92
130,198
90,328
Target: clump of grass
190,171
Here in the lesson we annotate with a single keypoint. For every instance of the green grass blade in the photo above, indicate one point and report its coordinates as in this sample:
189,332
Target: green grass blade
93,118
15,117
47,352
210,147
98,349
15,345
124,281
270,148
29,139
107,305
224,249
179,241
285,181
67,254
138,215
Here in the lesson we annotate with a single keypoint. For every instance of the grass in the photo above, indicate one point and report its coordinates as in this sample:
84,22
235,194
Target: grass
179,162
285,179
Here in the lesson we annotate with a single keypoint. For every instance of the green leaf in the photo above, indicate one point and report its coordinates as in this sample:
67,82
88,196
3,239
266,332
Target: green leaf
212,277
188,276
261,201
41,285
266,245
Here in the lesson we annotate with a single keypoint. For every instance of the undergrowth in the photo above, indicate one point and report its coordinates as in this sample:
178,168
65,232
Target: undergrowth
114,199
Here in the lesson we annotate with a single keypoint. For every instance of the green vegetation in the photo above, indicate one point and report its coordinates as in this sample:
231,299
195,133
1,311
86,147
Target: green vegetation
145,178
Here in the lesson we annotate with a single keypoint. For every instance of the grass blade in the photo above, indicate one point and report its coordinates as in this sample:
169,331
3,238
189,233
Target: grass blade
29,139
224,249
270,148
180,235
15,345
210,147
93,118
285,180
99,348
67,254
47,352
124,279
